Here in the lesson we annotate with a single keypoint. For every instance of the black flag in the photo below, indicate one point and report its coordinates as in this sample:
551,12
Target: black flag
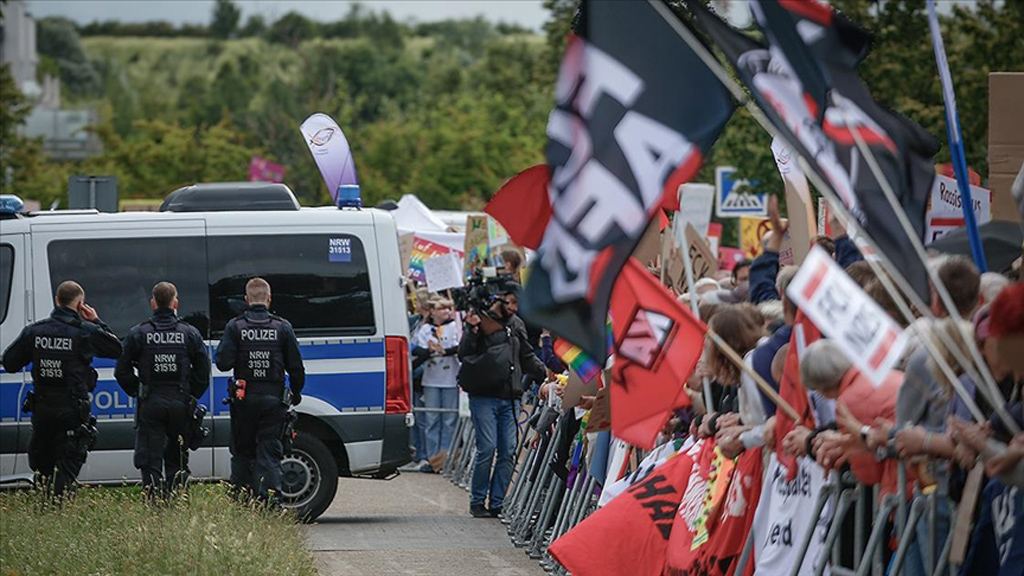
806,82
636,111
824,49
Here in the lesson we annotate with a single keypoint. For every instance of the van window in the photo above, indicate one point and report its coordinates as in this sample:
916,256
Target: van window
118,276
6,278
318,282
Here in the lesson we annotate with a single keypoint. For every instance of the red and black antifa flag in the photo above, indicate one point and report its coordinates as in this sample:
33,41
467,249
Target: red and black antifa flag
635,113
806,82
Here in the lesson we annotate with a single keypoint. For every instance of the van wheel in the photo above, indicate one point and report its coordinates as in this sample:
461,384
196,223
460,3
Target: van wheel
310,477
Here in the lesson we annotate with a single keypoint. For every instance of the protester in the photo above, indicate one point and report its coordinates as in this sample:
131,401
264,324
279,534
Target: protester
826,369
421,306
440,336
740,276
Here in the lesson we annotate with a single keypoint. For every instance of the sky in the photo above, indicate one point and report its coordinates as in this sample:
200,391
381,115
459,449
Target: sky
528,13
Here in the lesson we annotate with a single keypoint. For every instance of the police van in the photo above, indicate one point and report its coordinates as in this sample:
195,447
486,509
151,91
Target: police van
334,274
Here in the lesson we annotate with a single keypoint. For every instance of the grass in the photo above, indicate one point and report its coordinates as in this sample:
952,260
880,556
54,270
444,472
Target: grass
106,531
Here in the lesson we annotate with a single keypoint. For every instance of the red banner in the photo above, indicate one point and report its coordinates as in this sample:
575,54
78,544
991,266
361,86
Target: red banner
657,345
630,534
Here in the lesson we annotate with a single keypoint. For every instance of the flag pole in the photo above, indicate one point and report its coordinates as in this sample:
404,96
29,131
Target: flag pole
956,143
712,63
709,400
765,388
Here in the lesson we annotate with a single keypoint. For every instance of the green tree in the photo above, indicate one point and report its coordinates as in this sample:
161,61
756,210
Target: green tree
159,156
225,19
57,39
254,26
292,29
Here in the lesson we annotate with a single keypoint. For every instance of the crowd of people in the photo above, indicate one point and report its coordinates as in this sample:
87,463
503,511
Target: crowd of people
915,416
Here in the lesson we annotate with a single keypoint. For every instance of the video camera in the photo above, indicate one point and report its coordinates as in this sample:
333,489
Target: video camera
482,290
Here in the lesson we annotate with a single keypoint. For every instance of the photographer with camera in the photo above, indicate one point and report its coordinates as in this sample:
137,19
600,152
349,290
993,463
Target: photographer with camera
495,353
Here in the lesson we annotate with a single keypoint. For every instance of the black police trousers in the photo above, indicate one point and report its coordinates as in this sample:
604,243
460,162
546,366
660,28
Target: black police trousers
161,439
257,424
57,451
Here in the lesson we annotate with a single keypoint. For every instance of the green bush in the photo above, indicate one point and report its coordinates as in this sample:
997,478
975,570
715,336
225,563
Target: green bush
114,531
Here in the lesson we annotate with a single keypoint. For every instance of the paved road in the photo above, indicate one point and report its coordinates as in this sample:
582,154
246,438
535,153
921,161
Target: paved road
416,524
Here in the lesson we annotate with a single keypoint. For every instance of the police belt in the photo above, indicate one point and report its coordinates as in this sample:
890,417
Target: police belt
268,388
166,387
53,393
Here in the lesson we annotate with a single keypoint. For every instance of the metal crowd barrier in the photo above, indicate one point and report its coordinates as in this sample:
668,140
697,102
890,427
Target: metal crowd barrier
540,507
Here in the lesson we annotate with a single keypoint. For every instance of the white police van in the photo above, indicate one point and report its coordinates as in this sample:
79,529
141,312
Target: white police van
334,274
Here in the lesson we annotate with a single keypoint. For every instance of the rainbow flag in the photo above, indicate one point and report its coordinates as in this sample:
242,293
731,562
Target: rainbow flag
579,361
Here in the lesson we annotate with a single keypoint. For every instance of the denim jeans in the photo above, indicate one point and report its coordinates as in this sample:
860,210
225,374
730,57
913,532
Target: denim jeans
494,423
439,426
914,563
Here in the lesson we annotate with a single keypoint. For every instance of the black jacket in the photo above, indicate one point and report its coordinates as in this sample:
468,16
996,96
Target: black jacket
88,339
227,350
134,345
476,345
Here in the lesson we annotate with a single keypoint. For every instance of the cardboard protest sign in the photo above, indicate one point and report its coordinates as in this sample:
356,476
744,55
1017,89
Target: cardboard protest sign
675,270
443,272
799,204
802,224
704,262
601,414
496,234
405,242
649,248
576,387
477,243
867,335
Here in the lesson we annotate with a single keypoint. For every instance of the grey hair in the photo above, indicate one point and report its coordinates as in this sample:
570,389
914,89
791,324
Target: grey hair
823,366
992,283
784,277
771,310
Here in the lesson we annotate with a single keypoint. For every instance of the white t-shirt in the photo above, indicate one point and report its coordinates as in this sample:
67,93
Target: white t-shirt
440,371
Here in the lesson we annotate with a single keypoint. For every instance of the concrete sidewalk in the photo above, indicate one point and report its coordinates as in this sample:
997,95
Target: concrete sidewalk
416,524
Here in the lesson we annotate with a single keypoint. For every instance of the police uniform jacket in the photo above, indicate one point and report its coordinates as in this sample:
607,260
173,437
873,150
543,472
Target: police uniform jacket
166,351
256,333
61,349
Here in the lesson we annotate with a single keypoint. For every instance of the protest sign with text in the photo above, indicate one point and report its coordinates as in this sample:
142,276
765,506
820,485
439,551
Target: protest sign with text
866,334
785,512
703,260
443,272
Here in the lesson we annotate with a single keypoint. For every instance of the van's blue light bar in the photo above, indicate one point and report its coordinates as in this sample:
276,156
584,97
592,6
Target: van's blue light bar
11,204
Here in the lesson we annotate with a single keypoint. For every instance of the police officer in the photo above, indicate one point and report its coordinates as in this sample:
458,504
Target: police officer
173,370
260,347
61,349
